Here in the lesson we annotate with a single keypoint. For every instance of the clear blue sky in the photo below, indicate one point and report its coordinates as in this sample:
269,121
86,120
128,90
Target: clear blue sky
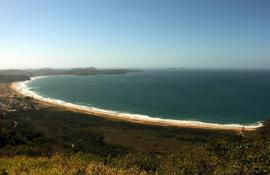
135,33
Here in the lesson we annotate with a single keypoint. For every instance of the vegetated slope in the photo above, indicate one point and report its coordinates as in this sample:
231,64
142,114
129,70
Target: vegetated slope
13,78
71,71
67,143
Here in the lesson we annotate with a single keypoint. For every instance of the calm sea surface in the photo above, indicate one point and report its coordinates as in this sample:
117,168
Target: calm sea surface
214,96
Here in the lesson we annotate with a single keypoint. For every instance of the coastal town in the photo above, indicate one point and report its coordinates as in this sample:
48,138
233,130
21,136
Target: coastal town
12,102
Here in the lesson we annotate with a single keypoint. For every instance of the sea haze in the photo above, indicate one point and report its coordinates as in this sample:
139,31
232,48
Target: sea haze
212,96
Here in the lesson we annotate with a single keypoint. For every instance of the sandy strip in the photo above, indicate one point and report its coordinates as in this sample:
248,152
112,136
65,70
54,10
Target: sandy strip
19,87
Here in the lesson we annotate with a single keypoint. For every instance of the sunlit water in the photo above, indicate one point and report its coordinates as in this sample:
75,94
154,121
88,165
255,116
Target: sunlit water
213,96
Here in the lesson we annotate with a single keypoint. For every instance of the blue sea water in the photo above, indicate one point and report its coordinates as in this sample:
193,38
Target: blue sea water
212,96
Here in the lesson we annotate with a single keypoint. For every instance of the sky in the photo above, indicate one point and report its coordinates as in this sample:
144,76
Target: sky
135,33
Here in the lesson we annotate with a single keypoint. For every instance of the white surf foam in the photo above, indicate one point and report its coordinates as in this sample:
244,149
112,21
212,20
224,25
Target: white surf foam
23,88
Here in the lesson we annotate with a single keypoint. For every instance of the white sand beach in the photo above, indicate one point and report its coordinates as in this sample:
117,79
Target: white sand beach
21,88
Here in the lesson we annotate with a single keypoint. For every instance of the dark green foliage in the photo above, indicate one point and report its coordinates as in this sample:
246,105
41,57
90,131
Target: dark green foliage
186,151
80,172
13,78
4,172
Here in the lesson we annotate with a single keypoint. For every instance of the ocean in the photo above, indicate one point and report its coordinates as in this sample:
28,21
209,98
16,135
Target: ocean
211,96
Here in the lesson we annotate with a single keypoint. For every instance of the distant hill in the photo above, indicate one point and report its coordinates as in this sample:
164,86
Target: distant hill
48,71
13,78
14,72
73,71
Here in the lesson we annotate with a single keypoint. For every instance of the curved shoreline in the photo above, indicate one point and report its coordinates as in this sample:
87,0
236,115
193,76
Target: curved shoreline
21,88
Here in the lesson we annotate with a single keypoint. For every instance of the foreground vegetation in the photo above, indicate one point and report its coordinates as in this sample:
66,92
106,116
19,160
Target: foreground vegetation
55,141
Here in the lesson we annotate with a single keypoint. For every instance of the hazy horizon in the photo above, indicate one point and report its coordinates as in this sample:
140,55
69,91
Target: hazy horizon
144,68
135,34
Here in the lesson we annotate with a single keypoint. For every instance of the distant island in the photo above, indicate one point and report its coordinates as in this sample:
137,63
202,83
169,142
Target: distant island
11,75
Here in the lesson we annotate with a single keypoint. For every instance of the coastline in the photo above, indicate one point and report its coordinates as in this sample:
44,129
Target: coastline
21,88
